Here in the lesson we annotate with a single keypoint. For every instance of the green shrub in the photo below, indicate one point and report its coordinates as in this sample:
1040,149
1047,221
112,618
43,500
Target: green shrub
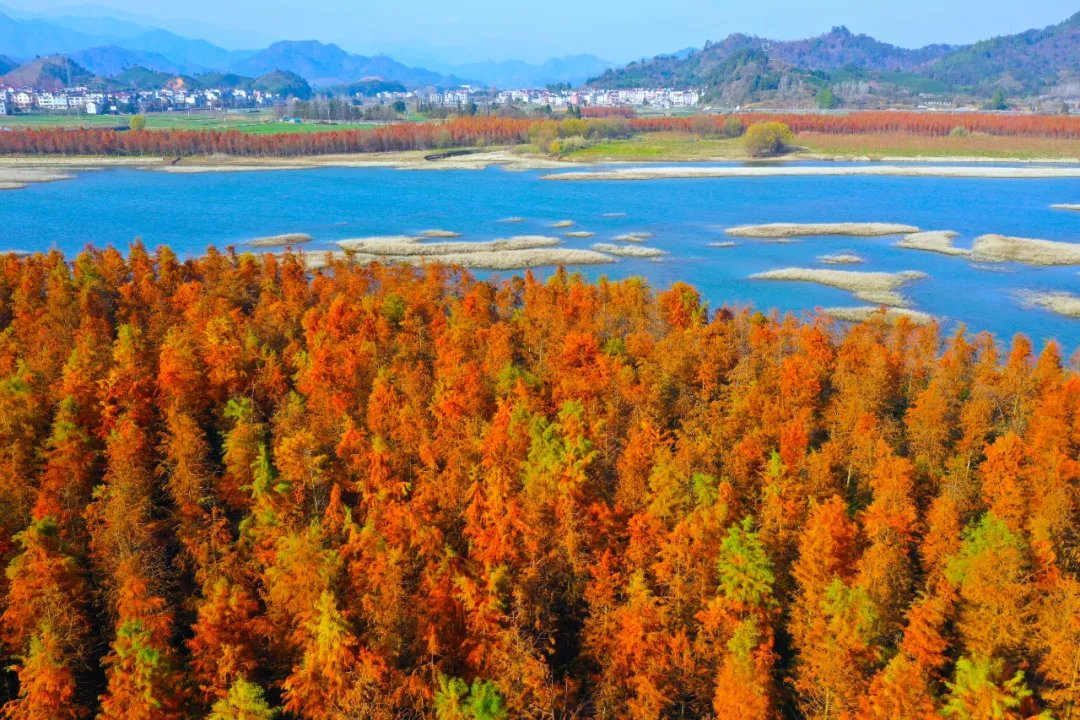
732,128
959,131
767,138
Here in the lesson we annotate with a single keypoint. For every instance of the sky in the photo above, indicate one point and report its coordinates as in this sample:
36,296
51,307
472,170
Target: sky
616,30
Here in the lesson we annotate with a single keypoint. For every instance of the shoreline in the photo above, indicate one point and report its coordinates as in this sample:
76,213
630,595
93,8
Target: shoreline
510,158
689,172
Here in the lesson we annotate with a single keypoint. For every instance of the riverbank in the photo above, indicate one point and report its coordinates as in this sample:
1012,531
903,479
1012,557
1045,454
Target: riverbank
688,172
18,172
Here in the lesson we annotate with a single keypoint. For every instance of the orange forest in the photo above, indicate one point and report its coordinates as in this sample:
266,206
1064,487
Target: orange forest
232,489
482,131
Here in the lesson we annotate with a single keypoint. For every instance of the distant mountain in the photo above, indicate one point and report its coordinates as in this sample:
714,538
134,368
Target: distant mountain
1029,61
327,65
100,26
840,48
744,68
48,73
283,83
111,60
7,64
140,78
194,55
28,38
574,69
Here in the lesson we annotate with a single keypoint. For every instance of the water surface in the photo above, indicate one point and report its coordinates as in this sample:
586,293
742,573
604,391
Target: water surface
189,212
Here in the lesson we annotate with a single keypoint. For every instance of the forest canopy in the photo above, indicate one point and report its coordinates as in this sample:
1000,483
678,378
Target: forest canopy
230,487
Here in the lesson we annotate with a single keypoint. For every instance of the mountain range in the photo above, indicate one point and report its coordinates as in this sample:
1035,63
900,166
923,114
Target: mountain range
54,72
857,69
107,46
744,68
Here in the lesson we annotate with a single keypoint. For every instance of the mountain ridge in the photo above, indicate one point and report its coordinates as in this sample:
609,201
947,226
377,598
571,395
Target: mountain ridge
1030,62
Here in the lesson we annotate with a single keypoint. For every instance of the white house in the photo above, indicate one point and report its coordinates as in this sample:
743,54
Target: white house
52,101
23,99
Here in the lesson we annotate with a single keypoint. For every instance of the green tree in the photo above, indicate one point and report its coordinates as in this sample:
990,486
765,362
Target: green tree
998,101
745,572
137,123
981,693
245,701
732,128
826,99
457,701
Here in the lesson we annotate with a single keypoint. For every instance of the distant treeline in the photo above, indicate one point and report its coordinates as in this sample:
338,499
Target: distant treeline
908,123
488,130
460,132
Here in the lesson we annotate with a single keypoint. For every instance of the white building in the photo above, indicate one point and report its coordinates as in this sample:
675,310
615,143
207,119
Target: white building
52,101
23,100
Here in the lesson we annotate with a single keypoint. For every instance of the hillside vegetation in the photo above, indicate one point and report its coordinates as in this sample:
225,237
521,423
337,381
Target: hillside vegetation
395,493
862,69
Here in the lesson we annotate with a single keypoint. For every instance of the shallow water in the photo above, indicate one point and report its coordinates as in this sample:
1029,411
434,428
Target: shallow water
189,212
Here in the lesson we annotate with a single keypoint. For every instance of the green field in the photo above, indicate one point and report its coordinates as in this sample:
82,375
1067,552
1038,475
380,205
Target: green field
660,146
261,123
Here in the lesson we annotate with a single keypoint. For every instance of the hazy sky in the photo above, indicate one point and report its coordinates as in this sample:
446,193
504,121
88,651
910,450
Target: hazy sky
617,30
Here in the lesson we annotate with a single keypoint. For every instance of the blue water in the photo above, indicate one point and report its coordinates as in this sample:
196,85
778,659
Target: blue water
189,212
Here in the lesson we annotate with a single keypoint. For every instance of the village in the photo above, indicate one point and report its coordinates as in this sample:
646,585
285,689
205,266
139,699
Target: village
89,101
176,97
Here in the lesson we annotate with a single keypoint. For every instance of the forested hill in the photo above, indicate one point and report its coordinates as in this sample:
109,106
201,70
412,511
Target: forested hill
1033,62
230,485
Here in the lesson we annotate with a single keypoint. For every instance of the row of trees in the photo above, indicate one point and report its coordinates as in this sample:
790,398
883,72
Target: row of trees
458,132
230,487
470,131
908,123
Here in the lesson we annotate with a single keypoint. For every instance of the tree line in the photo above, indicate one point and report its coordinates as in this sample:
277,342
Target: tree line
471,131
231,487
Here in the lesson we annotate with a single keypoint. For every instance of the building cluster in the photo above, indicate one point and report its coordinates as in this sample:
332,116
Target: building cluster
663,98
81,100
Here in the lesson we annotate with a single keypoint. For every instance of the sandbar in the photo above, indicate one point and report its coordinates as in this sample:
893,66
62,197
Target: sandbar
790,230
1062,303
634,237
411,247
736,171
639,251
400,160
842,259
723,244
440,233
512,220
17,178
487,260
875,287
580,234
280,240
562,224
1066,206
939,241
866,312
1001,248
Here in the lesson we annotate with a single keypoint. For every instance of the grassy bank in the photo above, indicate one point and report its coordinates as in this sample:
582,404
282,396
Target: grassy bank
677,146
666,146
